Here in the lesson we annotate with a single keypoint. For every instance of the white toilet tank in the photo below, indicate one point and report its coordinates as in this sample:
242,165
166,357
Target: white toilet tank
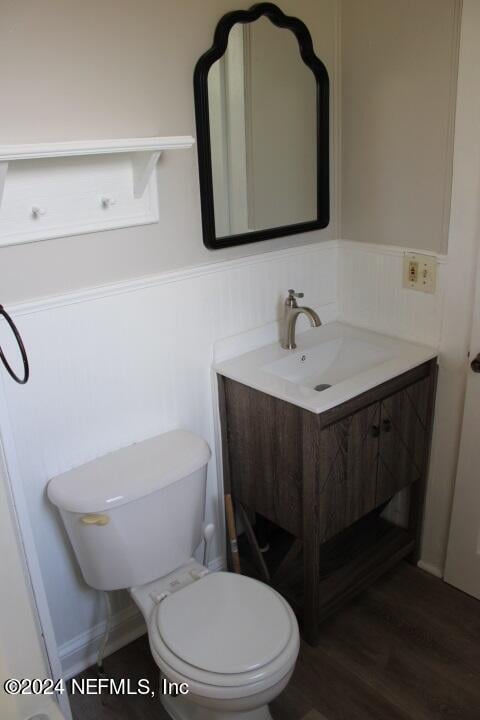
136,514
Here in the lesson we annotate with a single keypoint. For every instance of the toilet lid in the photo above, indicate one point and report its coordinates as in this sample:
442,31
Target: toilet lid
225,623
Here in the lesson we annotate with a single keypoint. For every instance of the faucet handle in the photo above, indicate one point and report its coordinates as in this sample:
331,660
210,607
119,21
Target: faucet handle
293,294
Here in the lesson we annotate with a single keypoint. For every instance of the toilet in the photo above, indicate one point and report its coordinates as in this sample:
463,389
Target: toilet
135,518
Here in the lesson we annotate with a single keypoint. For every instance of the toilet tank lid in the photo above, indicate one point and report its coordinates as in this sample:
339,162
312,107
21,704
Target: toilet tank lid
130,473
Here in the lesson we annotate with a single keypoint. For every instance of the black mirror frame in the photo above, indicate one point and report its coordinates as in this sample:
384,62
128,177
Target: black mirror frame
200,86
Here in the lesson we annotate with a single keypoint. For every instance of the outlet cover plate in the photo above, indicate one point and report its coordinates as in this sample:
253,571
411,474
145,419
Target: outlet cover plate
420,272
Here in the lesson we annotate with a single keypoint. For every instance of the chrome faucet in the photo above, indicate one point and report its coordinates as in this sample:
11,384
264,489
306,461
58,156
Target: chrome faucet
290,315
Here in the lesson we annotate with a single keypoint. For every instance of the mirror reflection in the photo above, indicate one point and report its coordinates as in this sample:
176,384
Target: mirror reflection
262,103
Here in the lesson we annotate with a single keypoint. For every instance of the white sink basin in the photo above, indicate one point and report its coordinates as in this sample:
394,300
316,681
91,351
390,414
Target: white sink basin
331,364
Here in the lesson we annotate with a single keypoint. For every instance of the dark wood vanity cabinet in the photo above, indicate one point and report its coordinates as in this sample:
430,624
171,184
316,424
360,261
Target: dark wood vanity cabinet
326,479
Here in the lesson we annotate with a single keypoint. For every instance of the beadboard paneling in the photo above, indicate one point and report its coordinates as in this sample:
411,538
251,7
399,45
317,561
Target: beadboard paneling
121,363
371,294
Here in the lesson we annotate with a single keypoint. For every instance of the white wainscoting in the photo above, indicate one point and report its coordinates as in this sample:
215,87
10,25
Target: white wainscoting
120,363
370,293
117,364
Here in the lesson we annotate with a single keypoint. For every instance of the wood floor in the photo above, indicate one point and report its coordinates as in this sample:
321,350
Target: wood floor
406,649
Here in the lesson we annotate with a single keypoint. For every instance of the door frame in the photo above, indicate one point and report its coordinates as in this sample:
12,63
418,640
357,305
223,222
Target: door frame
455,572
463,245
10,475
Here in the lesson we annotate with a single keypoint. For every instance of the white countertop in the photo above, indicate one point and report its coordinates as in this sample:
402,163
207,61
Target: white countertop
352,360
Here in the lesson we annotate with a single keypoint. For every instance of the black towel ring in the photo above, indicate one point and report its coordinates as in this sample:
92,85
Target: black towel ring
26,369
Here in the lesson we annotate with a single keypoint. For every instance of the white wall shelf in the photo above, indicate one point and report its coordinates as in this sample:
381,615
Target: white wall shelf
65,188
93,147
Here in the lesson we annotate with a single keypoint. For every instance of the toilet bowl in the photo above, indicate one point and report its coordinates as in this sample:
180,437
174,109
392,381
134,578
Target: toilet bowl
232,640
134,518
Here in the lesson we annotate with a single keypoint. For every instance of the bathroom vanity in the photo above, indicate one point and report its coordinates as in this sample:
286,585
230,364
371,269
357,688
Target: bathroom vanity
323,466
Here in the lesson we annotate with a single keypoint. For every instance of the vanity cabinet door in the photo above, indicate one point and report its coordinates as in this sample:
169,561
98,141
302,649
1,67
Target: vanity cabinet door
346,469
403,439
264,455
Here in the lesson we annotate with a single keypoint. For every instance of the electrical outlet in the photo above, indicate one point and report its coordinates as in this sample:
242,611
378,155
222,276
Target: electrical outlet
420,272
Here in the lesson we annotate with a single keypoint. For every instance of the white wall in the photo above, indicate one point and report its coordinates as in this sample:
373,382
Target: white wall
399,83
117,365
116,69
399,70
21,651
120,364
370,292
120,68
463,247
371,295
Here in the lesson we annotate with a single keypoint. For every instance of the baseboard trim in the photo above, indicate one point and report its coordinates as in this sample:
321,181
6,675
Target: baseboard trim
127,625
429,568
217,564
80,653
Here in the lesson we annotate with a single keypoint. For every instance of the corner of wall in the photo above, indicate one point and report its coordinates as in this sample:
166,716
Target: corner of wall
337,121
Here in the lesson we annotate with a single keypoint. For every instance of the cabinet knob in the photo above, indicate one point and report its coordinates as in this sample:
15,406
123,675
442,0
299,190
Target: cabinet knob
387,425
375,431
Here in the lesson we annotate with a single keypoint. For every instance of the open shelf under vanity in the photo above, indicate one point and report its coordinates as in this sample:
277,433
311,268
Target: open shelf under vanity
349,562
315,488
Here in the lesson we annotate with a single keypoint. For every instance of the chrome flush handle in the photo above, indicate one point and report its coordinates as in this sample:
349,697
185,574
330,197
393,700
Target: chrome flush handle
95,519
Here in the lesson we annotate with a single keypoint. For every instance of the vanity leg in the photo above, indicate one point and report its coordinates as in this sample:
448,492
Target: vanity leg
415,518
311,612
311,530
231,550
418,490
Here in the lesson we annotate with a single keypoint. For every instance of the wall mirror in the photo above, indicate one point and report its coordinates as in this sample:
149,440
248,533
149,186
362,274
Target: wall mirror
262,115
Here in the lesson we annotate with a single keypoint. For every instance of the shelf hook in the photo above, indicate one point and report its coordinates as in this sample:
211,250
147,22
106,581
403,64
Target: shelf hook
37,211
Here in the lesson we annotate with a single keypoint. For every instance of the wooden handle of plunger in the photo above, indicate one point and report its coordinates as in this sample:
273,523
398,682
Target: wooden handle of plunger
232,533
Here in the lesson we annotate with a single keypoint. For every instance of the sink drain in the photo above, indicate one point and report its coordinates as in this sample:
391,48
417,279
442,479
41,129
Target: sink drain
322,386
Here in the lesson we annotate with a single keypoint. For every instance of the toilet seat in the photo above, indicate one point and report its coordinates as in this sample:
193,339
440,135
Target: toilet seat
203,635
